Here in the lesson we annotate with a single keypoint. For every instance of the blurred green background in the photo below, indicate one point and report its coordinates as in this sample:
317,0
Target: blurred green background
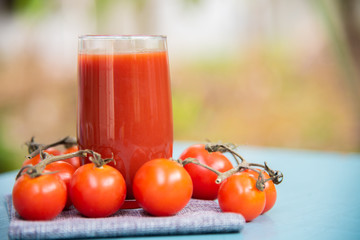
266,73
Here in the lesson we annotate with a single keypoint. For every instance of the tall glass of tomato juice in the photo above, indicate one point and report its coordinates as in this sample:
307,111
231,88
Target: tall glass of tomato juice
124,100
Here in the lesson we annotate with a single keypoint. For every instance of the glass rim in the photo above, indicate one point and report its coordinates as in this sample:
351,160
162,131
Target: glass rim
121,37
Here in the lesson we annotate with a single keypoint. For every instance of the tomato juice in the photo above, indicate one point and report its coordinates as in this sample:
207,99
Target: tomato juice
124,108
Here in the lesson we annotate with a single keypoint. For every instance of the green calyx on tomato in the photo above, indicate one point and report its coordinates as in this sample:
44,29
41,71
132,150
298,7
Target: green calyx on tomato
35,165
162,187
204,168
274,175
46,184
97,191
239,194
243,189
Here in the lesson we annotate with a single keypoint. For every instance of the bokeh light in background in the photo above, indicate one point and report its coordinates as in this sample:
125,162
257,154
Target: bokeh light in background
266,73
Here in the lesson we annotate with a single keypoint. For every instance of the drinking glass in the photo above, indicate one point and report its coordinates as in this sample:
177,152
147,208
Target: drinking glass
124,100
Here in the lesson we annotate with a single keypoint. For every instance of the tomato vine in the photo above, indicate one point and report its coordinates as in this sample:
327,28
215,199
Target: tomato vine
276,176
46,158
35,148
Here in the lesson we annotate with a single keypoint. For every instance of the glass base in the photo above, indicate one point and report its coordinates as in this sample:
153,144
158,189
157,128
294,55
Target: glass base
130,204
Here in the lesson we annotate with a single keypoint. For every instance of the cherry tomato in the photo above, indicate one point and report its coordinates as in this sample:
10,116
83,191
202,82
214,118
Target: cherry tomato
162,187
64,171
270,190
238,193
97,192
75,161
40,198
35,160
202,178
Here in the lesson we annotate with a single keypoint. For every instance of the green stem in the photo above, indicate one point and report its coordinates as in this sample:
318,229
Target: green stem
35,148
195,161
275,176
37,170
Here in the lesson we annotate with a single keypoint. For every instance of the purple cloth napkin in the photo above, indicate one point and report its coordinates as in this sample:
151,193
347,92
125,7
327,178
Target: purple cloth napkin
199,216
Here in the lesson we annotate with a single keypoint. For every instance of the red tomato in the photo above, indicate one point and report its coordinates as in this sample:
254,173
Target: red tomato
202,178
97,192
40,198
64,171
162,187
238,193
75,161
35,160
270,190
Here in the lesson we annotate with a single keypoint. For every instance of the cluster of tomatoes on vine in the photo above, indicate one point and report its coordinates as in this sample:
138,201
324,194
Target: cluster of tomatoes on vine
51,181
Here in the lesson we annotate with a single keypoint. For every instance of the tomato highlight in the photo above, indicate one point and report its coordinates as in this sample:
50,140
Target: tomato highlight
97,191
202,178
40,198
239,194
162,187
270,190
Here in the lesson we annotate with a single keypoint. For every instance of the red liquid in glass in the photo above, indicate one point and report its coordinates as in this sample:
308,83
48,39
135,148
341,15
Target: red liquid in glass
124,109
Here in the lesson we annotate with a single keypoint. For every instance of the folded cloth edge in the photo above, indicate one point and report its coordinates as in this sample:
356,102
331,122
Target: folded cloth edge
73,225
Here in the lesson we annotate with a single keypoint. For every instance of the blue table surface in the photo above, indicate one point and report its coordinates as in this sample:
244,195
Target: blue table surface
318,199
